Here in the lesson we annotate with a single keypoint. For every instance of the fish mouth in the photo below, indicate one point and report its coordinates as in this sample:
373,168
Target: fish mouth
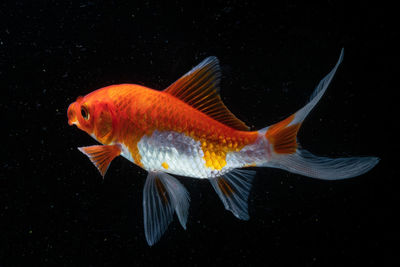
73,122
71,115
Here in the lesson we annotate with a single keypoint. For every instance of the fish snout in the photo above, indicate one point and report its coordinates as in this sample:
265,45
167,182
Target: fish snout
71,114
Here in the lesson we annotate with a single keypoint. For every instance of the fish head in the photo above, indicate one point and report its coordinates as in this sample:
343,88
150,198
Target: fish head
95,115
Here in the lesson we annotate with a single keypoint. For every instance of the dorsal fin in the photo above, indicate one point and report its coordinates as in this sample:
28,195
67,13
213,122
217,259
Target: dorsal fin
200,89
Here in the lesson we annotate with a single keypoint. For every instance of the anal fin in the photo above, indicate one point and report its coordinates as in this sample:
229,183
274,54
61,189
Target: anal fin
233,189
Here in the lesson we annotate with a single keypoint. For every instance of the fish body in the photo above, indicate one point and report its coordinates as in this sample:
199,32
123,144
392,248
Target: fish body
159,132
186,130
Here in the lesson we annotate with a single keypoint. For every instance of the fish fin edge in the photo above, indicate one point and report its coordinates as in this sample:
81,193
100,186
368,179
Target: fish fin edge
233,189
101,155
162,195
199,88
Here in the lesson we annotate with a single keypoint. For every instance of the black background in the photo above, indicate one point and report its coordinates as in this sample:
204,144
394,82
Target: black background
56,210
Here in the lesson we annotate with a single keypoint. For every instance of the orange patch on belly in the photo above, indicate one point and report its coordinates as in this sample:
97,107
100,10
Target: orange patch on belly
250,165
216,149
165,165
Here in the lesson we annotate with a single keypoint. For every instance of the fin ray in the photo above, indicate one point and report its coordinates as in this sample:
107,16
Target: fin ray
319,91
305,163
283,135
101,155
289,156
233,189
162,194
199,88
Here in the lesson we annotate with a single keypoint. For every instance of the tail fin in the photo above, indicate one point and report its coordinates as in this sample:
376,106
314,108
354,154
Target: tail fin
286,154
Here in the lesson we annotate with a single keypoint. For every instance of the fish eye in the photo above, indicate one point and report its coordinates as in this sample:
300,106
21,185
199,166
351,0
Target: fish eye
85,113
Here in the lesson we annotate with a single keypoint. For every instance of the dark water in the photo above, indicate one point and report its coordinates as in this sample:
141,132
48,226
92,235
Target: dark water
56,210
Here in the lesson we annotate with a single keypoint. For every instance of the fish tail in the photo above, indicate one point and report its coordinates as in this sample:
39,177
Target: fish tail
284,152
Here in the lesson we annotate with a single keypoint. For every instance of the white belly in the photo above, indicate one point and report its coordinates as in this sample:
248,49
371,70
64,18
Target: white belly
175,153
179,154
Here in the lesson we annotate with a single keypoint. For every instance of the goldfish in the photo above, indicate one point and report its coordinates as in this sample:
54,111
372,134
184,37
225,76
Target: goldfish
187,130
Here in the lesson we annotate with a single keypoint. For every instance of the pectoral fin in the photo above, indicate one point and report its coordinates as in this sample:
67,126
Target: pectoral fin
101,156
162,194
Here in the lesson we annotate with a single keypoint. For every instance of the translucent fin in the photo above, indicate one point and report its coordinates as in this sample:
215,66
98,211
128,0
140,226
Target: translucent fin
285,152
101,156
283,135
307,164
233,189
200,89
319,91
162,194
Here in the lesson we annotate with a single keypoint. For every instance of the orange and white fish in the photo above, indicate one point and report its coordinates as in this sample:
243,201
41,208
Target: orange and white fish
186,130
